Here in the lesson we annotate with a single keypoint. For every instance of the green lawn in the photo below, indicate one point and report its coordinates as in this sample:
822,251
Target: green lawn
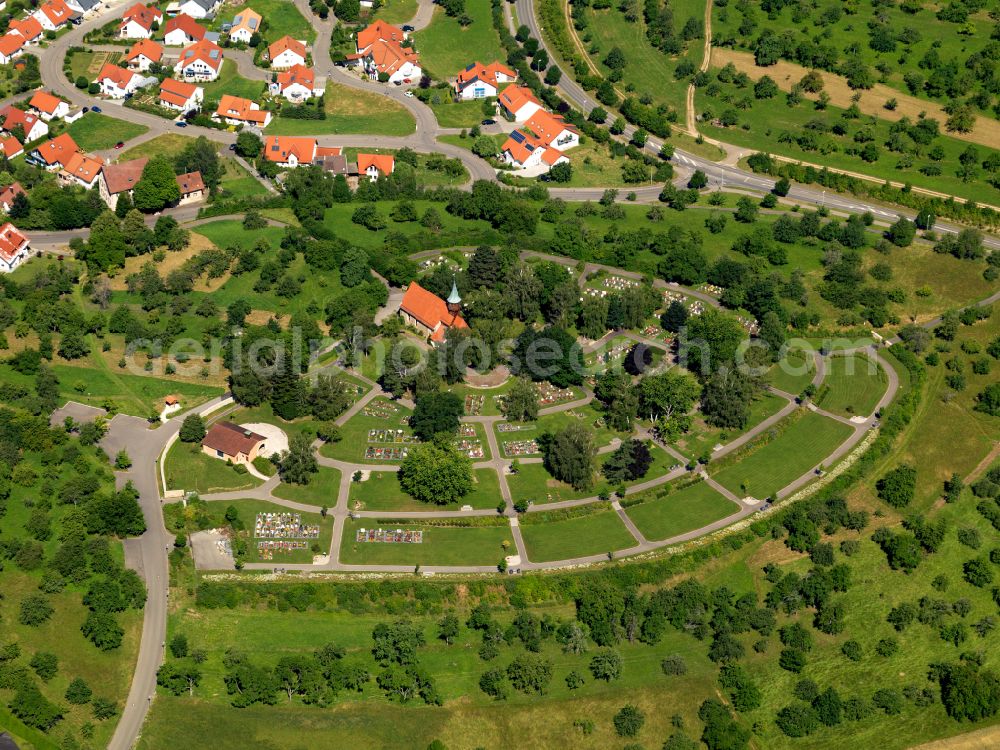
451,114
471,545
280,18
680,511
248,510
187,468
231,82
97,132
703,439
446,48
592,534
397,12
855,384
321,490
793,373
805,443
350,110
381,492
534,484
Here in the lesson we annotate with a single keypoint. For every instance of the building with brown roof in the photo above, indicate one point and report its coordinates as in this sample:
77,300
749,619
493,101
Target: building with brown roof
232,443
119,179
430,314
9,193
192,187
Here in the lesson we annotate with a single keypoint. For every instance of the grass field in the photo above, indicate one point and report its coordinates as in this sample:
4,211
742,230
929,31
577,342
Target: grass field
321,490
793,373
98,132
446,48
591,534
681,511
381,492
350,110
474,545
397,12
187,468
231,82
805,443
855,383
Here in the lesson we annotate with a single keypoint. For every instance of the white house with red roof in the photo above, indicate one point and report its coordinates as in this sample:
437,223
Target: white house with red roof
181,30
33,125
380,51
296,84
11,47
517,103
54,15
11,147
540,144
374,166
55,154
143,54
430,314
14,249
82,169
286,52
289,151
201,61
138,21
480,81
48,106
235,110
180,96
28,29
117,82
245,25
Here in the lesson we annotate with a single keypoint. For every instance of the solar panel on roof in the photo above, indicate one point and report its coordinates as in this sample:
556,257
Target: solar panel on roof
518,136
214,54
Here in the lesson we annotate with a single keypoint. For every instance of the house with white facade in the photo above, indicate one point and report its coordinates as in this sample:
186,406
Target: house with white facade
14,248
117,82
34,126
480,81
143,54
48,106
374,166
9,193
55,14
296,84
286,52
180,96
517,103
380,51
235,110
200,9
245,25
54,154
182,30
201,61
138,22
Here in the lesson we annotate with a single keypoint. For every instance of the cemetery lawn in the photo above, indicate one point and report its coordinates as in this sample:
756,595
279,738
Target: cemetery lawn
793,373
591,534
703,439
807,441
354,433
456,545
681,511
321,490
533,483
855,383
187,468
381,492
